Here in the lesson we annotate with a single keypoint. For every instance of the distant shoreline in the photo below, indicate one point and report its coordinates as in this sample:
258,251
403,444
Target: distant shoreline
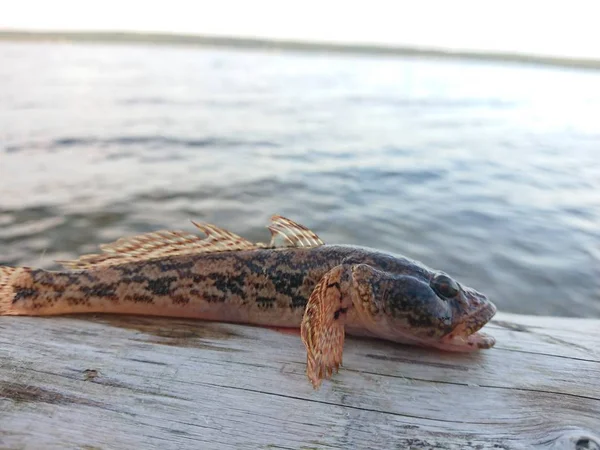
290,45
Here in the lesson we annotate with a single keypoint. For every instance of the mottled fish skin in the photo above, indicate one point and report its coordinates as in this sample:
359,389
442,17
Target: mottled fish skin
263,286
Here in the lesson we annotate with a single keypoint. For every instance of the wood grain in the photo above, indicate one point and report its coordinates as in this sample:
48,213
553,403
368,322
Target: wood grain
109,382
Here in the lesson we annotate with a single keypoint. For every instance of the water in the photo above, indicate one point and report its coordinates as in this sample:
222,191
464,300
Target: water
489,172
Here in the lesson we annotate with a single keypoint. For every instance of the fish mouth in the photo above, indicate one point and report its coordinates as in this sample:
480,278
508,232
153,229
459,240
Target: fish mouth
466,337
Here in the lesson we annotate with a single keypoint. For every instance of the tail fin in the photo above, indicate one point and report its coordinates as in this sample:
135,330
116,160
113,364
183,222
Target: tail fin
6,289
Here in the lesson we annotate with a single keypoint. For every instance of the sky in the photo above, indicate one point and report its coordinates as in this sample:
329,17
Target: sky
557,28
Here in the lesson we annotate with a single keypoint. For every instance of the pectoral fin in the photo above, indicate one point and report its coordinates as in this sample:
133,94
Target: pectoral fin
322,328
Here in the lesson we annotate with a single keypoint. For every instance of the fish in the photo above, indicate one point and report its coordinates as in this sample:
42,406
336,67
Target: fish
294,281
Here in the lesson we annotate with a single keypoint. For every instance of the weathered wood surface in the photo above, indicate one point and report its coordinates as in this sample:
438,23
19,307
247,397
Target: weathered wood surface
145,383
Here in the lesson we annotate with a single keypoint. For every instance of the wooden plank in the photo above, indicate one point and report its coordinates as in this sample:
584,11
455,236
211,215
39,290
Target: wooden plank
136,382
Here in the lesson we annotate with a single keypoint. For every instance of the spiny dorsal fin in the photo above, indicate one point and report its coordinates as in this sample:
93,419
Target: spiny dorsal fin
286,233
160,244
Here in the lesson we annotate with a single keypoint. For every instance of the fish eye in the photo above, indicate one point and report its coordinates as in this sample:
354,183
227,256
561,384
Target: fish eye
445,286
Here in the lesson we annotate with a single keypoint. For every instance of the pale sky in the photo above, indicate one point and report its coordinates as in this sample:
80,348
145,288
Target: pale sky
561,28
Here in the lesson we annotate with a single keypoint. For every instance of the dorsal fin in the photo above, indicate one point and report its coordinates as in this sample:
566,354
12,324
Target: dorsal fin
287,233
162,244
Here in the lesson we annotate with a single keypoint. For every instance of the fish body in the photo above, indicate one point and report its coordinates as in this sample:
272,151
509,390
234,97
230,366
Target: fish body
295,281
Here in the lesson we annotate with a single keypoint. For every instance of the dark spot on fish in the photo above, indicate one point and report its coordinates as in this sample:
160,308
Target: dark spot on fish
265,302
334,284
88,276
285,282
166,265
298,301
214,298
51,280
139,298
135,279
228,283
180,299
99,290
336,315
127,269
161,286
255,265
24,293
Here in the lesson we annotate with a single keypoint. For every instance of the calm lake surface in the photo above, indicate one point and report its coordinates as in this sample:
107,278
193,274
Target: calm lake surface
489,172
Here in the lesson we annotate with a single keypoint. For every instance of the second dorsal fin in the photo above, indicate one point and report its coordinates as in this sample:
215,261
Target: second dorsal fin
287,233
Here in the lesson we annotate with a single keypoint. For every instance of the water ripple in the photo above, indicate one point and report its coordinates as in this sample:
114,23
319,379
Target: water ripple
146,141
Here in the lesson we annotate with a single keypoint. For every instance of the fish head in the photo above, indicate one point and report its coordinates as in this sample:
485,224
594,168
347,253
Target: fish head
423,307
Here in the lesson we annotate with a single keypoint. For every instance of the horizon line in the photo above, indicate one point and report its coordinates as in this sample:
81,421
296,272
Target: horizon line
259,43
